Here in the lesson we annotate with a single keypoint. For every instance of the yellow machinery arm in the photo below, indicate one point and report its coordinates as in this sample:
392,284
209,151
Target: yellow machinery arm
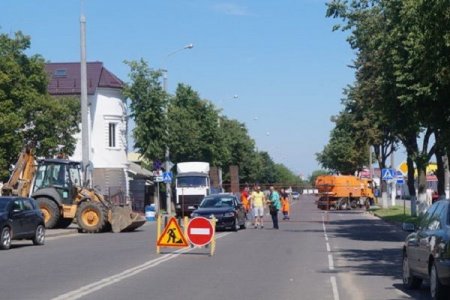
19,184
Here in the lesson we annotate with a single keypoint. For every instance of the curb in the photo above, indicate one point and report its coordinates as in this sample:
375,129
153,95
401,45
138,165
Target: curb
60,232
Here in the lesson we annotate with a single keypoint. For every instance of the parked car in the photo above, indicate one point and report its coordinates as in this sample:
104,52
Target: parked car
20,218
426,252
295,195
226,208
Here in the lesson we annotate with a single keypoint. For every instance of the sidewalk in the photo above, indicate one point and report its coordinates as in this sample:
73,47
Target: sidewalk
72,229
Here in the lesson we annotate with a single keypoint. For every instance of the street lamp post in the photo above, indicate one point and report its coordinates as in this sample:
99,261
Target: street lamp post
167,164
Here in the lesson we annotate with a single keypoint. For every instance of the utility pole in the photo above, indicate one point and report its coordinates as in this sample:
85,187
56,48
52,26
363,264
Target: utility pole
85,126
168,164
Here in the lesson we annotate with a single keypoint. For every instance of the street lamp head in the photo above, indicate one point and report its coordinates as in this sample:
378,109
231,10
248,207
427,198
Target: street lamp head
189,46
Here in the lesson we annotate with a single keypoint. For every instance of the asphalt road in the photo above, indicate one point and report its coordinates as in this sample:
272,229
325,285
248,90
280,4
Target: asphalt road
315,255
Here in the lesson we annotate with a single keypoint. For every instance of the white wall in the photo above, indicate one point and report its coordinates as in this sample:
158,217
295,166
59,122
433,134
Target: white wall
106,106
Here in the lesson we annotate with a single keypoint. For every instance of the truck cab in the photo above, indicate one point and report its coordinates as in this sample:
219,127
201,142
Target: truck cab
192,184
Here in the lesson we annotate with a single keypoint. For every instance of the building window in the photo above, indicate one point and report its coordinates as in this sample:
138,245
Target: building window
112,135
60,73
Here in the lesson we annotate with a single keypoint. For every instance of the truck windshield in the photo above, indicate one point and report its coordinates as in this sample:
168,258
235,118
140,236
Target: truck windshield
191,181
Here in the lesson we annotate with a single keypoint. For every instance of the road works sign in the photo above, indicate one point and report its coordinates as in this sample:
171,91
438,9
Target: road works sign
172,235
200,231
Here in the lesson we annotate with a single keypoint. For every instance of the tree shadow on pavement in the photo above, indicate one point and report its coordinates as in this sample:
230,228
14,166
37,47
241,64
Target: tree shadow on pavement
365,230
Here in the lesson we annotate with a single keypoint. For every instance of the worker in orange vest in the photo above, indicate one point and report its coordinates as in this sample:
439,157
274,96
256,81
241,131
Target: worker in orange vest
284,204
244,199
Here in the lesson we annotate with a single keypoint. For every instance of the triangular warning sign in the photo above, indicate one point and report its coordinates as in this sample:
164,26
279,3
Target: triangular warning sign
172,235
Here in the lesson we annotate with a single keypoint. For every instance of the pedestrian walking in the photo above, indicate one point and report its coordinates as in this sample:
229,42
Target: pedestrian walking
274,206
258,199
245,201
285,206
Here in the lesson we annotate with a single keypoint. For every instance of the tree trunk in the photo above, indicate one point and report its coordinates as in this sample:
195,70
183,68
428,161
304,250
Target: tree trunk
440,173
411,185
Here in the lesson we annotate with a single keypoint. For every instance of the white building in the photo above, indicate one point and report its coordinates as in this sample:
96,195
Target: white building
108,124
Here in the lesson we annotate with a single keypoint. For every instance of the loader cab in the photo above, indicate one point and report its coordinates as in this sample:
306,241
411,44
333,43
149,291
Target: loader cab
62,176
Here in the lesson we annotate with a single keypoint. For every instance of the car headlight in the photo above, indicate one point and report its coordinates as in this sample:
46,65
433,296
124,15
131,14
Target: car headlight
229,214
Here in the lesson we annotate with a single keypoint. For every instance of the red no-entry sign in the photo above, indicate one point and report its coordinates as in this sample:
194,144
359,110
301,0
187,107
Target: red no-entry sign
200,231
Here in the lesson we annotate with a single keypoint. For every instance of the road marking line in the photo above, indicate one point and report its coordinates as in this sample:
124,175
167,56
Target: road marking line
328,247
95,286
334,287
330,262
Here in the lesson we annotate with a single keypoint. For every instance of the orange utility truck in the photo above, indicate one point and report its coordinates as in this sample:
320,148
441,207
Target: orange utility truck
343,192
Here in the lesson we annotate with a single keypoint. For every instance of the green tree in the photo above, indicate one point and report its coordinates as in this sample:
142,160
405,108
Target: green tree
343,154
29,115
148,109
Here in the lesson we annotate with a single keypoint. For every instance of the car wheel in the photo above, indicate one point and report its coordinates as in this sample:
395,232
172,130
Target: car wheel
39,235
410,282
437,290
5,239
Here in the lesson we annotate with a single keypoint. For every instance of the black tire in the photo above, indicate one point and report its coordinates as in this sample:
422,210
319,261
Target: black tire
5,238
50,210
410,282
437,290
64,222
91,217
39,235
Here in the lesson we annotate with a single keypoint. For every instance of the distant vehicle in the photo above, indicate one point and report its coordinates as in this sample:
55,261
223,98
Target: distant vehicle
192,184
295,195
342,192
20,218
226,208
426,251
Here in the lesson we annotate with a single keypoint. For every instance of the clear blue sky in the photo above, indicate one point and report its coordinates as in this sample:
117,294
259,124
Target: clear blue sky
280,57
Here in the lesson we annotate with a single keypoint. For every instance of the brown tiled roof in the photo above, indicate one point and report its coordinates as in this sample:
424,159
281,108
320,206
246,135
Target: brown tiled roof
64,78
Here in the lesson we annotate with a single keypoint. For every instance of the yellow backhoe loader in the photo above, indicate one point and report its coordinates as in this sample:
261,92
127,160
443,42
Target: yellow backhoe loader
56,186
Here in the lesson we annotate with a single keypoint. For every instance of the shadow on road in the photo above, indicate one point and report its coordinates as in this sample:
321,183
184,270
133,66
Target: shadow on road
365,230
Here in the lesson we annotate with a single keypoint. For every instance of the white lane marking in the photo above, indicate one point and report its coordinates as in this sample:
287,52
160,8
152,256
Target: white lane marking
328,247
326,237
334,287
95,286
330,262
200,231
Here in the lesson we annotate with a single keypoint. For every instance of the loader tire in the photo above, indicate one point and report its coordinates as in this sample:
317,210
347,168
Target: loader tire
50,210
91,217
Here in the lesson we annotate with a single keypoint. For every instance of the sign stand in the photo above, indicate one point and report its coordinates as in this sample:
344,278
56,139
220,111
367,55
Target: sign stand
200,232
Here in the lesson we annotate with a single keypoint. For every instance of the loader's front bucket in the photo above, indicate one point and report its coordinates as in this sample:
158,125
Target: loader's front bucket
124,219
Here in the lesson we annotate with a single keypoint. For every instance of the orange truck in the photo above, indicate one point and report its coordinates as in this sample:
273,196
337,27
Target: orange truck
343,192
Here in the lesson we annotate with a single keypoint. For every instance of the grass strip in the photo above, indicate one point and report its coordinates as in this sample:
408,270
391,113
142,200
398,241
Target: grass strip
395,214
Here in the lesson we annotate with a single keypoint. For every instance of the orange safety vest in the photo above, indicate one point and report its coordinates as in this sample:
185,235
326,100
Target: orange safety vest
244,200
285,204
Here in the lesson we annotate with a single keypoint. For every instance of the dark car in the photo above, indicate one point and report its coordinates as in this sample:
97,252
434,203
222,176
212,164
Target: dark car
226,208
20,218
426,253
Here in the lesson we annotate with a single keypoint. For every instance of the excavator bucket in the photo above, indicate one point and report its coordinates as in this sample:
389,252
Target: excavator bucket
124,219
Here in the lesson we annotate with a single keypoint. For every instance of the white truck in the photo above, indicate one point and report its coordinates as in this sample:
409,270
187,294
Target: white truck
192,184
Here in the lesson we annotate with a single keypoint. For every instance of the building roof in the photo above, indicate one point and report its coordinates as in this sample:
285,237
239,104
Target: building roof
64,78
137,170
